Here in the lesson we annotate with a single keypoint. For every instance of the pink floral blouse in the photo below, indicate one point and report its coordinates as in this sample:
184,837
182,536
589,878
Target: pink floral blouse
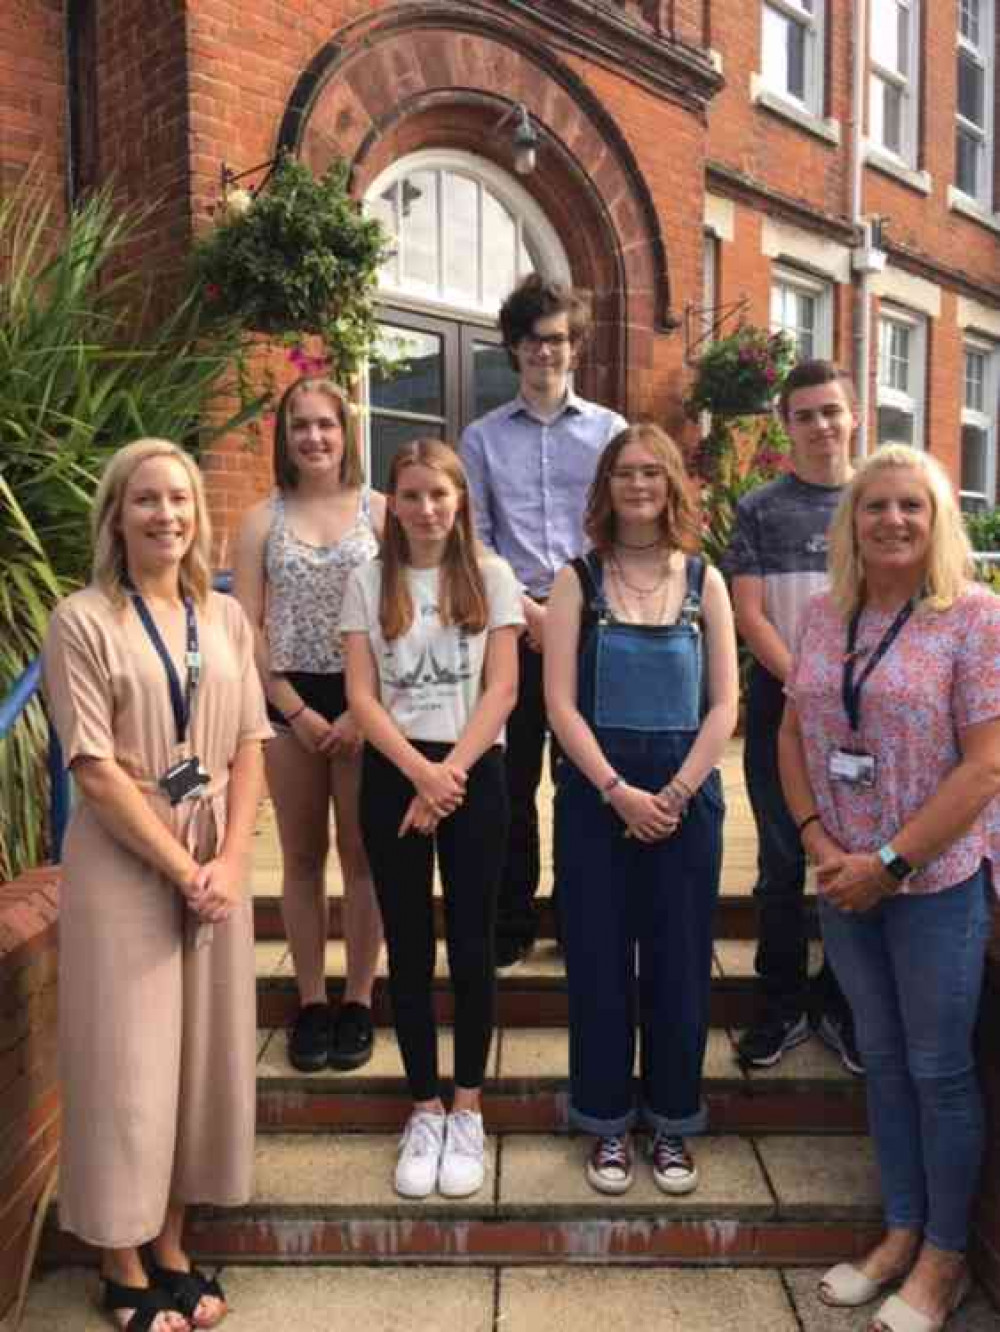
941,674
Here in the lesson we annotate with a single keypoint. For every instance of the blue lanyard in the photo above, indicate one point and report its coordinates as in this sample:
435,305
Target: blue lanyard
851,691
180,701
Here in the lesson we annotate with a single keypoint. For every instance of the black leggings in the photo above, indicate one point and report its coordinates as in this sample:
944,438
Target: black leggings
470,845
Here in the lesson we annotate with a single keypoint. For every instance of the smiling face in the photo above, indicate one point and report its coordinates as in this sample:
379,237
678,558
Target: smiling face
821,421
894,522
426,503
315,435
638,483
545,356
158,519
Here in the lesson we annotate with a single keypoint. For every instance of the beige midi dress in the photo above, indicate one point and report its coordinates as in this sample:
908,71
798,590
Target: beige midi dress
157,1020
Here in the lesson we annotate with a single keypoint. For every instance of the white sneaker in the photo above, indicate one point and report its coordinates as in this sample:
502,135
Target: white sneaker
419,1154
463,1167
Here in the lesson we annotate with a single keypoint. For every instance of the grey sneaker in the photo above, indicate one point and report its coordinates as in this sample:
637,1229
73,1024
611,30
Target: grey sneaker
763,1044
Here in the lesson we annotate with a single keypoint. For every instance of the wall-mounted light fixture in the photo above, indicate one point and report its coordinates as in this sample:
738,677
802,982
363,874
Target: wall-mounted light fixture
525,138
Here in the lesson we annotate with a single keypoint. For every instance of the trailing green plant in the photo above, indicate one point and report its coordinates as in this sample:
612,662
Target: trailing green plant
295,258
741,373
983,528
85,366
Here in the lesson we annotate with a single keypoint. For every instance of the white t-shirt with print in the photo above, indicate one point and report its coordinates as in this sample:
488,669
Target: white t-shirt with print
431,678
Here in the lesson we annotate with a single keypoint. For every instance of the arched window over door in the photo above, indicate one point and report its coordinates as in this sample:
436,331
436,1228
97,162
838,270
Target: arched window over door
465,233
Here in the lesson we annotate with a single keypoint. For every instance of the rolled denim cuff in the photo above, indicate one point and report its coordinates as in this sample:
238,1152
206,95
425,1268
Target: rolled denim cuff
678,1128
601,1128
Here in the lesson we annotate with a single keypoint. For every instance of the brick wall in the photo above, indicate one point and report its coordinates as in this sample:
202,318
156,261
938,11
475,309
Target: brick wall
33,95
29,1098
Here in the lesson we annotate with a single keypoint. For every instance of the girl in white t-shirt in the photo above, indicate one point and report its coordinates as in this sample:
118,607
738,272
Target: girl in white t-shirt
430,632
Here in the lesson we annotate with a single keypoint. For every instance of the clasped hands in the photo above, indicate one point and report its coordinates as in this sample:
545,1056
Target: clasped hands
440,790
648,816
215,889
852,881
340,738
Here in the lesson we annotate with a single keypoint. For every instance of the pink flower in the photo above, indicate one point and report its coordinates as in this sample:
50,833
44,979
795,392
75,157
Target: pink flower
212,291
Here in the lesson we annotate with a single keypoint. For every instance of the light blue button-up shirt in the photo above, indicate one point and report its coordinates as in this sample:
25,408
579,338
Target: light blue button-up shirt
529,481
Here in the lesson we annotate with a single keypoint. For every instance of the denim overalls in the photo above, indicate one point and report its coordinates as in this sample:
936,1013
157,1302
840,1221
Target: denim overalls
641,689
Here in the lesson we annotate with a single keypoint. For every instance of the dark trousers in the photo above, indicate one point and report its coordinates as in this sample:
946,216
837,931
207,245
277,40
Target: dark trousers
782,958
469,845
527,728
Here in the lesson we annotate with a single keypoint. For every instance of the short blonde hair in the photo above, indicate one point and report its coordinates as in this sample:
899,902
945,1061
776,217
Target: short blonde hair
109,570
949,563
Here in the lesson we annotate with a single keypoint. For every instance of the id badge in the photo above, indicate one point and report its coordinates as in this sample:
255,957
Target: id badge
851,768
184,780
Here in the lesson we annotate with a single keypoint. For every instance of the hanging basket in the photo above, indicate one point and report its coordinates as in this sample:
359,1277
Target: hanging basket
740,375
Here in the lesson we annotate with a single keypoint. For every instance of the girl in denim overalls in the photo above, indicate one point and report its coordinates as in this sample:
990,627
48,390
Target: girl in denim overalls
641,685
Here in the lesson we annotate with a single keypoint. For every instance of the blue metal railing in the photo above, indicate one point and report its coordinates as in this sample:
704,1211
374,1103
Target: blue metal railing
11,708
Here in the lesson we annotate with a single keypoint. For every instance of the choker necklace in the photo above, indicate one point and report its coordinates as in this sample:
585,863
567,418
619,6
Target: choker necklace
649,545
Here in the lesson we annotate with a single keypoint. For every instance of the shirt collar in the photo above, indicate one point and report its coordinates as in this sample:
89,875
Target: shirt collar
573,404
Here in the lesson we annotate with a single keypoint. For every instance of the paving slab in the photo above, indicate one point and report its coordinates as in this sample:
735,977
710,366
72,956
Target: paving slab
385,1063
735,957
313,1299
543,1052
831,1176
306,1171
545,1175
977,1314
581,1299
812,1061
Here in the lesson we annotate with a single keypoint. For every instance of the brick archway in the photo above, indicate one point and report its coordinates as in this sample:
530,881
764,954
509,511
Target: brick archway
424,78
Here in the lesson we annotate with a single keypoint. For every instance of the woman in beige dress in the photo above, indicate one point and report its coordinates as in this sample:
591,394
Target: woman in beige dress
150,681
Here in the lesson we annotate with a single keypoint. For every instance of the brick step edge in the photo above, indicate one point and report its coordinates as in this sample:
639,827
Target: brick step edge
735,918
814,1109
529,1002
304,1237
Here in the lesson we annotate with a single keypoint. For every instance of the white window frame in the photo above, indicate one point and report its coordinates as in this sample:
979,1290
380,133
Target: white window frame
908,86
813,26
983,54
984,419
783,278
528,217
913,400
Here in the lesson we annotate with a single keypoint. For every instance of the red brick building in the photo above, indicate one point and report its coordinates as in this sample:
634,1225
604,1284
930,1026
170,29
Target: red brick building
831,163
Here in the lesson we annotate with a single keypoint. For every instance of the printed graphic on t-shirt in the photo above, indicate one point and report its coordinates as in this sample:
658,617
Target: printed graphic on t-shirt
435,678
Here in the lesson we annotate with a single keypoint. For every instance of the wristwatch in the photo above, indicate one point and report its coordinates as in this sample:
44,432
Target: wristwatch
897,865
616,780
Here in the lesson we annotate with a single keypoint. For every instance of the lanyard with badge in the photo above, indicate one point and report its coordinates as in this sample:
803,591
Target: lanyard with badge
855,767
185,779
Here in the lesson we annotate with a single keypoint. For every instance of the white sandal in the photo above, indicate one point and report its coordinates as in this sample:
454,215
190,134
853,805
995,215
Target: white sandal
896,1315
846,1286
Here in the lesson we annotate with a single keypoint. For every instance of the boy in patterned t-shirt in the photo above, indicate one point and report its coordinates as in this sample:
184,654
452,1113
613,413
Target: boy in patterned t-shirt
777,561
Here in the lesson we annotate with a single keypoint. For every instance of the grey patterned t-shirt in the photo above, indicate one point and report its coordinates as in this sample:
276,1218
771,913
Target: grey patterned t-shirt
780,537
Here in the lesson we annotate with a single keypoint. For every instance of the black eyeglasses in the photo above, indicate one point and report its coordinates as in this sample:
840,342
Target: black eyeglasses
554,341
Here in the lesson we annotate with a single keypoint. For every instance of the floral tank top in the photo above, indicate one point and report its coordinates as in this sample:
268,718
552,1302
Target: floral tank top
305,590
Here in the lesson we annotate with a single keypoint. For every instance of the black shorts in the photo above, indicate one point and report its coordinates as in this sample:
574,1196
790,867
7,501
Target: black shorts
325,694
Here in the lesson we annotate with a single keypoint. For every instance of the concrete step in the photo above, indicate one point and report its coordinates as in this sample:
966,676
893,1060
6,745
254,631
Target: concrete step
735,917
532,993
578,1298
808,1092
760,1201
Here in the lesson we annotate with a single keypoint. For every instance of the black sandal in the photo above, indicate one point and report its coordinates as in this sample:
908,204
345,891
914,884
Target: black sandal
186,1290
147,1301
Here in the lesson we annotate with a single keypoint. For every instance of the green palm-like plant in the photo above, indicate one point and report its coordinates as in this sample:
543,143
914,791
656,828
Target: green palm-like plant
85,365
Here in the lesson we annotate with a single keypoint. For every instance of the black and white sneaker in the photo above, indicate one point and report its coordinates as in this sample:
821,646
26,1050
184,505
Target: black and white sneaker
763,1044
673,1169
839,1036
609,1165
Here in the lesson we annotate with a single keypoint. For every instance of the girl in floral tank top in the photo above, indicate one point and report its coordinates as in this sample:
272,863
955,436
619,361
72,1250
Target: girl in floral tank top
295,553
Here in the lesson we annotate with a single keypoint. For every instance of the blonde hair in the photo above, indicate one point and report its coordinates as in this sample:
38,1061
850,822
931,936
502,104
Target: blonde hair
110,570
286,474
949,560
462,590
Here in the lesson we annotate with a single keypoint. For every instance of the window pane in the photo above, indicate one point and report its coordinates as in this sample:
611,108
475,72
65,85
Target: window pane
418,384
894,356
383,209
797,60
975,381
419,226
389,435
460,207
975,459
890,36
795,311
494,380
887,115
499,251
968,152
968,20
894,426
775,48
971,90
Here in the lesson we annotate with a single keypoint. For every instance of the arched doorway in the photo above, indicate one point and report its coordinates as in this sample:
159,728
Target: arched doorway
465,233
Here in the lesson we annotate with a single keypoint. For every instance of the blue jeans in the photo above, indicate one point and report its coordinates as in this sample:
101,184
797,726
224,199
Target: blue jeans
782,956
625,901
912,969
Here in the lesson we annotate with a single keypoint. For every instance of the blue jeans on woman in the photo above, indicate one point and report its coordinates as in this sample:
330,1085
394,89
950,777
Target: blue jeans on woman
912,969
